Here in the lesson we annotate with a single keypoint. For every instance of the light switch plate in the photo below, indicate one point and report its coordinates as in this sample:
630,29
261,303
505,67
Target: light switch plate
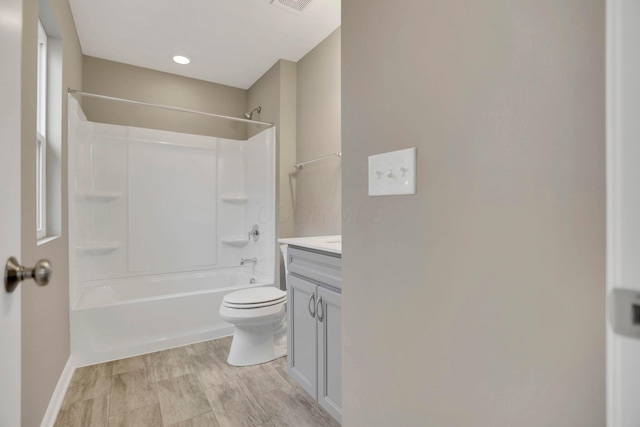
393,173
626,312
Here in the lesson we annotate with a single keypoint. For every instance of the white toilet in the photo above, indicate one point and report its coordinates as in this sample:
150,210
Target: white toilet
259,317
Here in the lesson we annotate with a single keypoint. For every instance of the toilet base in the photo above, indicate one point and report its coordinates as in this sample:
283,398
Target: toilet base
254,345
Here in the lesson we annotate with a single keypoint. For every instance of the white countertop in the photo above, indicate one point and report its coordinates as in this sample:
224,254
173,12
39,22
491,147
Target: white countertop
331,244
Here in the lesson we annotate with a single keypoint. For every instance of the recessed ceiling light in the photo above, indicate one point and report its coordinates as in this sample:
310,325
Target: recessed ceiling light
182,60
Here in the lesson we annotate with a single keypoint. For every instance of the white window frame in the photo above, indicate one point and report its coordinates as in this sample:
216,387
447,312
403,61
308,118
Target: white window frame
41,135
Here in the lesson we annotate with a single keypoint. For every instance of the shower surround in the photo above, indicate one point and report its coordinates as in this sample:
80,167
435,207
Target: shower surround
158,224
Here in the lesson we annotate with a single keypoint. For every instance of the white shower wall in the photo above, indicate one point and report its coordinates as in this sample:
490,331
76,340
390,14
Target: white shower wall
149,204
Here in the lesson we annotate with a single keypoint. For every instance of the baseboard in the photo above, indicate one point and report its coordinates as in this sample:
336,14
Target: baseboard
58,394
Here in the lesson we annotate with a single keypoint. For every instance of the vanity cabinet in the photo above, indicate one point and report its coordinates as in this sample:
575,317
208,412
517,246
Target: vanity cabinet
315,325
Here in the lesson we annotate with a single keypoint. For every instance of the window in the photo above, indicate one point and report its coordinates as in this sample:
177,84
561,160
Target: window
48,138
41,135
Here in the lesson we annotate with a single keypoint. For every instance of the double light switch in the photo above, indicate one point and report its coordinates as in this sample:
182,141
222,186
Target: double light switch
393,173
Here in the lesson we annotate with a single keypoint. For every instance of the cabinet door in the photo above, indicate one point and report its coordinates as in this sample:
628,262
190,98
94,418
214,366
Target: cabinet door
302,346
329,315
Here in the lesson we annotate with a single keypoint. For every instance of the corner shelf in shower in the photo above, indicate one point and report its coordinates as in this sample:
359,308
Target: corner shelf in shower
235,241
236,199
98,196
97,248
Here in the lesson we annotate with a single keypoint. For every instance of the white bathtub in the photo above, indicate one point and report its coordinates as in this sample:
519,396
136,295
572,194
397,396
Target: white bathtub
126,317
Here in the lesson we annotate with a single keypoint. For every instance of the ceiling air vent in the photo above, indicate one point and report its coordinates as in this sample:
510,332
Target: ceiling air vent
295,6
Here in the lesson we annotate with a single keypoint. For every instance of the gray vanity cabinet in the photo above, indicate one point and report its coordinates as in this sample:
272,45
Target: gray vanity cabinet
330,352
315,326
302,333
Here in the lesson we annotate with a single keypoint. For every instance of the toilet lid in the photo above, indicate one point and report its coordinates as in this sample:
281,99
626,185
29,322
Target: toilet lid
255,297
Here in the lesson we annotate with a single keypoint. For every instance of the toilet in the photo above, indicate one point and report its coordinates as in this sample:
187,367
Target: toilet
259,317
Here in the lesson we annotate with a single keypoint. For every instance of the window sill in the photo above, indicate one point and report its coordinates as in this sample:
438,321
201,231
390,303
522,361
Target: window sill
46,239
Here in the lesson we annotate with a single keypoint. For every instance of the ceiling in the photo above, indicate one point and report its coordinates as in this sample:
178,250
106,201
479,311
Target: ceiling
231,42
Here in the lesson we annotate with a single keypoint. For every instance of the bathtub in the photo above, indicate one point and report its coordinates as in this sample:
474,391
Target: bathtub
114,319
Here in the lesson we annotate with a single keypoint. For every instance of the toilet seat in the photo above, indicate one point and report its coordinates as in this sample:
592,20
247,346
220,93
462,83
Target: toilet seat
254,306
254,298
264,315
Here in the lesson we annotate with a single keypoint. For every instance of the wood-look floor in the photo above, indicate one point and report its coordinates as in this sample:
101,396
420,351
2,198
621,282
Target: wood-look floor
188,386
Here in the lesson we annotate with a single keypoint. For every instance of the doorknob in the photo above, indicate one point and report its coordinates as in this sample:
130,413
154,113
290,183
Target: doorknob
14,273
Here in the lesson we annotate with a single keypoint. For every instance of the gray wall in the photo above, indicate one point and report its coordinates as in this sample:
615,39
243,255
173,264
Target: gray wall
318,185
479,301
141,84
45,311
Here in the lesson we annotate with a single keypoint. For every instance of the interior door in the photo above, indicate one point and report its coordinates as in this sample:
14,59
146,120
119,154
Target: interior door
10,329
623,210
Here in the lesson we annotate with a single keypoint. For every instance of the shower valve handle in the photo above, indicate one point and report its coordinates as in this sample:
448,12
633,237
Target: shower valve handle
255,232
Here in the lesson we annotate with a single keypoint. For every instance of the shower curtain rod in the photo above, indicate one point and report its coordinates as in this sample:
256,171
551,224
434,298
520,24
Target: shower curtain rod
167,107
300,165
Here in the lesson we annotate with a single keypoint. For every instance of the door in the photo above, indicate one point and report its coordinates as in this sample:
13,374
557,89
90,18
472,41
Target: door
329,316
302,344
10,51
623,206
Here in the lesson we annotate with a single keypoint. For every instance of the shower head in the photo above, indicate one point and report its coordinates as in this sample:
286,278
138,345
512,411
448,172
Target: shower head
249,115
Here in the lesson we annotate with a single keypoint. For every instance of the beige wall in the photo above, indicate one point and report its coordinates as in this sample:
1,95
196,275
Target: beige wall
287,155
275,92
45,311
272,92
265,93
306,112
318,185
480,300
141,84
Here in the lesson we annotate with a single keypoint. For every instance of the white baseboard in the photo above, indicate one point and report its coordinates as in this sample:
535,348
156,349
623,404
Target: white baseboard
58,394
